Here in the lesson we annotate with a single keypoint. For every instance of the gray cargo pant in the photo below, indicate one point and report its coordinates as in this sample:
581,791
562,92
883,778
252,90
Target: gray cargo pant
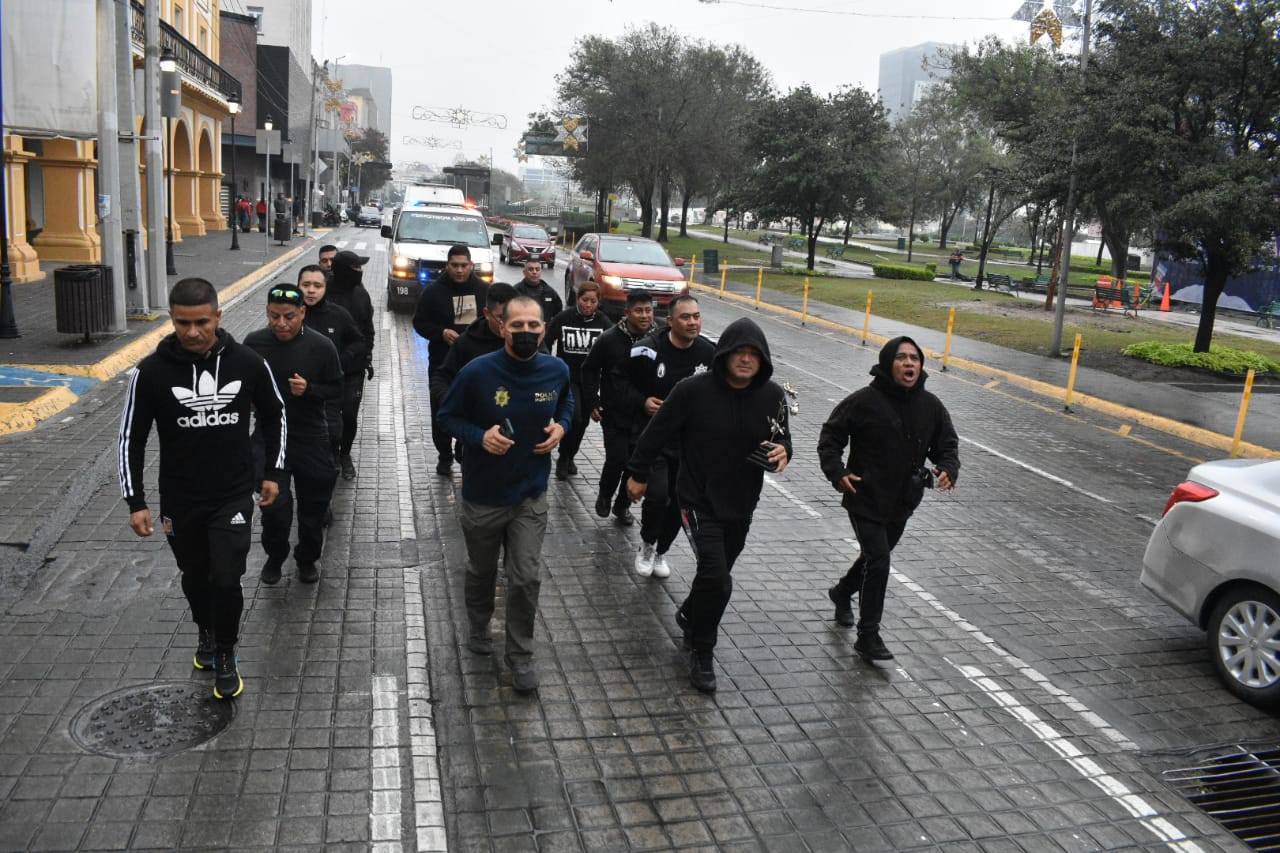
518,530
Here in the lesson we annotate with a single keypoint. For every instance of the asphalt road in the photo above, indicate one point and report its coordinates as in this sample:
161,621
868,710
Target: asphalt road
1038,697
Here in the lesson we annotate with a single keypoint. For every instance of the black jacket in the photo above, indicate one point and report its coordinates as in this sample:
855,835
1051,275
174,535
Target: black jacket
446,305
544,294
476,340
337,324
573,336
890,431
714,428
346,291
200,405
656,365
310,355
604,363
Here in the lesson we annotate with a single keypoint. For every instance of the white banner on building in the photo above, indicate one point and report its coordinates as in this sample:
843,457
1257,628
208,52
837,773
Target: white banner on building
50,67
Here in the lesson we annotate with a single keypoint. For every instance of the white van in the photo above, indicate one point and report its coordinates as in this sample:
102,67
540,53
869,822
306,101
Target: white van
420,241
422,195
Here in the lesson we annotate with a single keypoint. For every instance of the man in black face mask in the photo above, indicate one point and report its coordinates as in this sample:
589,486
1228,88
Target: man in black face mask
510,408
347,291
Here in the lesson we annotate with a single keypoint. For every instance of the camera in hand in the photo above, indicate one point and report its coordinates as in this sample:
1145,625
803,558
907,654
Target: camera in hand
923,478
760,457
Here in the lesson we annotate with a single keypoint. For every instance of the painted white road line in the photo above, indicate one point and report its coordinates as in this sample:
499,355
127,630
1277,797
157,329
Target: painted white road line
428,804
1022,667
359,245
384,770
786,493
380,247
1134,804
407,528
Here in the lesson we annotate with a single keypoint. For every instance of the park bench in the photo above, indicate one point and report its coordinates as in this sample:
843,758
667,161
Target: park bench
1269,315
796,244
835,251
767,239
1036,284
1107,296
1002,282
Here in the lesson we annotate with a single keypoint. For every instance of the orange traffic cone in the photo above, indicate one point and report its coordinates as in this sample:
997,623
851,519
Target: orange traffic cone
1164,300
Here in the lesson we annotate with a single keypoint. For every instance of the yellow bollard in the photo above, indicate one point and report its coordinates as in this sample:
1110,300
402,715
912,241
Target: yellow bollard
1244,410
866,323
1071,378
724,271
759,286
693,268
946,352
804,307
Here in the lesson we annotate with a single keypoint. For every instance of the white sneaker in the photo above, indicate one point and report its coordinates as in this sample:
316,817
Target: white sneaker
660,567
644,560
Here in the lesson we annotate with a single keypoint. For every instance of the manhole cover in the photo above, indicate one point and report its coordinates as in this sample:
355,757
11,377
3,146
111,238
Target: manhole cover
153,720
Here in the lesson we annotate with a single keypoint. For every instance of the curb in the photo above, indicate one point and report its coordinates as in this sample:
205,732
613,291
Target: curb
24,417
1204,437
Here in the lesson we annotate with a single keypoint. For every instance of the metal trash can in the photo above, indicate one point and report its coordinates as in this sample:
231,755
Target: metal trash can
82,299
775,255
711,262
281,230
902,244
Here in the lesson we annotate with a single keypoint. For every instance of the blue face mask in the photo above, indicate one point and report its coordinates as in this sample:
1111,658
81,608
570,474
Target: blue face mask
524,344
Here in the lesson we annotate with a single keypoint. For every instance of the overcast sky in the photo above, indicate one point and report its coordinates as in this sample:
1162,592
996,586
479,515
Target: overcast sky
501,57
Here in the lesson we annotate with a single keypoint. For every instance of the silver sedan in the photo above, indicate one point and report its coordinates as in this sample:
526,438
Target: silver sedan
1215,557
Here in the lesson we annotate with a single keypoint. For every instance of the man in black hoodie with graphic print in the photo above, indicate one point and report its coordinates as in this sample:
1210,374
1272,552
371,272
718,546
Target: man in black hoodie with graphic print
729,425
199,388
891,427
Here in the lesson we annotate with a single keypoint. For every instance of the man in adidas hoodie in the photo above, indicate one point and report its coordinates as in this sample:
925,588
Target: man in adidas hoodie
728,426
198,389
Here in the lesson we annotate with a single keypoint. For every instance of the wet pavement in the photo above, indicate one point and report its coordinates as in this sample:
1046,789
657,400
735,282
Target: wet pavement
1037,699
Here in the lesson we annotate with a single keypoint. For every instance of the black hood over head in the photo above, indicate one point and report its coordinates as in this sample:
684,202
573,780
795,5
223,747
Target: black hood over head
739,333
883,371
344,277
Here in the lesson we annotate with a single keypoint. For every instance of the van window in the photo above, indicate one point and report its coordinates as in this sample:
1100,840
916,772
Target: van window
440,227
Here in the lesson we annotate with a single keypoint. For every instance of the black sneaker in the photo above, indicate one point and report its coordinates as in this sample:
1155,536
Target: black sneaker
844,607
204,650
622,515
602,505
227,683
271,570
524,678
480,643
682,622
562,470
871,647
348,467
571,468
308,572
444,468
702,671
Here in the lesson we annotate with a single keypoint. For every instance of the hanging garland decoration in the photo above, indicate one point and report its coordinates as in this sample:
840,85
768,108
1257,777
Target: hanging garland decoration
1047,23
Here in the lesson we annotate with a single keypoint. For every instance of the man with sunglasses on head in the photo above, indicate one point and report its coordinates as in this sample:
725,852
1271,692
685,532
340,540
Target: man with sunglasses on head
307,372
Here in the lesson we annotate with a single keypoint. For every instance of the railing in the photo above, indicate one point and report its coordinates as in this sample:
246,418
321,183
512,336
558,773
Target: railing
190,58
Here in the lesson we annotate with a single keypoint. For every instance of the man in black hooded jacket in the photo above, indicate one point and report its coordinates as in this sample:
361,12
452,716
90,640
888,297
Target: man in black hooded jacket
346,291
336,324
482,337
728,425
891,427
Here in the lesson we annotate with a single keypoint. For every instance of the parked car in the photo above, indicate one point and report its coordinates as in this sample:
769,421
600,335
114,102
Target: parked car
369,215
619,264
522,242
1215,558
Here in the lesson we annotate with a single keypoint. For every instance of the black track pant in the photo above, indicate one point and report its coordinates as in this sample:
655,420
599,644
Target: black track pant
716,544
617,450
440,436
573,438
869,574
210,542
352,394
313,477
660,512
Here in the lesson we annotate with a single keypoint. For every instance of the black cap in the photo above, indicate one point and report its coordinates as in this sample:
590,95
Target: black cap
349,259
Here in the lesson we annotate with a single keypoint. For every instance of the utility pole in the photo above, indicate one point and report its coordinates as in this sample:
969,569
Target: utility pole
157,280
109,163
134,273
1069,213
311,153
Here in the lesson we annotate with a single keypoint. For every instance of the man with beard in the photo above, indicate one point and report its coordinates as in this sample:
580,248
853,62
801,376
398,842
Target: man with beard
658,361
199,389
602,392
510,409
446,307
347,291
890,427
307,372
572,333
539,291
728,426
336,324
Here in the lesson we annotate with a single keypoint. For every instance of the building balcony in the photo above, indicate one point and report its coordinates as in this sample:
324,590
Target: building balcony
195,66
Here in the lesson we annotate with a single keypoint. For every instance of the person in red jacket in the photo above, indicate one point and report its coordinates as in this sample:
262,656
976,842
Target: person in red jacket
262,215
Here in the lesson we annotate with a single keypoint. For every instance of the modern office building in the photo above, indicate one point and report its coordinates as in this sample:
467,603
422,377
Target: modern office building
907,74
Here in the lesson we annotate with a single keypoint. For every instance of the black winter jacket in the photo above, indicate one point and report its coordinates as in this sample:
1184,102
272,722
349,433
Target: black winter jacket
310,355
446,305
715,427
890,431
476,340
337,324
656,365
600,370
200,405
346,291
542,293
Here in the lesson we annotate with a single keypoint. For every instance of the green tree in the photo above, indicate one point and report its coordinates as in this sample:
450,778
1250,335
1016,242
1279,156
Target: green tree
376,170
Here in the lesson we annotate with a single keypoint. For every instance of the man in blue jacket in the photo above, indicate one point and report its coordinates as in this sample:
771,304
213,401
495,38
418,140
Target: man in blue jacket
510,408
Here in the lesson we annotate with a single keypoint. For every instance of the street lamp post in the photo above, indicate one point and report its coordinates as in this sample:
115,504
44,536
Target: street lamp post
267,126
233,107
169,68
